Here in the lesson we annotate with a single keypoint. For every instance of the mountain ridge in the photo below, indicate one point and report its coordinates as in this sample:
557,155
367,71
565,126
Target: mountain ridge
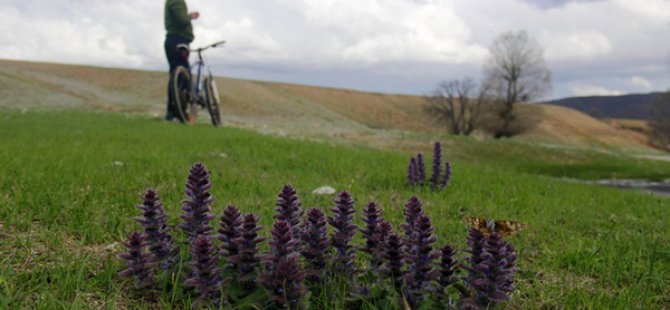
629,106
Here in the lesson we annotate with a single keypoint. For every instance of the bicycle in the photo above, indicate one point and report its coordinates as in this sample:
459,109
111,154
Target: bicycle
188,94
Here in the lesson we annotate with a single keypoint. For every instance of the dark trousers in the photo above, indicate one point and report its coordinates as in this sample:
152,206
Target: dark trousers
174,59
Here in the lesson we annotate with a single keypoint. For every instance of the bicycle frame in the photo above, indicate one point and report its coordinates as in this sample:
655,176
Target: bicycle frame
201,63
190,90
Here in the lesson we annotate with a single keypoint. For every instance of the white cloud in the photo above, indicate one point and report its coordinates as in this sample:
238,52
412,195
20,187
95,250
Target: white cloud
431,39
655,10
245,41
582,45
337,33
430,33
590,90
101,34
641,82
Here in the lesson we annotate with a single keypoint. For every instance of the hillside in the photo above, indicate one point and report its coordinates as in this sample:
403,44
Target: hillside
567,126
277,108
634,106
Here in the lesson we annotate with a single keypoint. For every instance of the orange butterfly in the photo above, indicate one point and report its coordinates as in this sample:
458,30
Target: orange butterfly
487,226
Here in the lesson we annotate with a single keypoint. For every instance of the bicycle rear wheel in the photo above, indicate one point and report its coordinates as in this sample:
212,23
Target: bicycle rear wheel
181,93
212,101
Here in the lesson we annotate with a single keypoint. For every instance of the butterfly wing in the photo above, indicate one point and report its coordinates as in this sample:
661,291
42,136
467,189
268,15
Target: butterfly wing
487,226
507,228
480,224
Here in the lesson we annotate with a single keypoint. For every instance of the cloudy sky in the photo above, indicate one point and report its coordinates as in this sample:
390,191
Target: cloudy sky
592,47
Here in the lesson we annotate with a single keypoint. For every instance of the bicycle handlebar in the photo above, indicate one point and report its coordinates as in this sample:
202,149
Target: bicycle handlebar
208,46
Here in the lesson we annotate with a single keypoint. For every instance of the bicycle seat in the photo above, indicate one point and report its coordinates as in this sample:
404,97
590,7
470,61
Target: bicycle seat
183,50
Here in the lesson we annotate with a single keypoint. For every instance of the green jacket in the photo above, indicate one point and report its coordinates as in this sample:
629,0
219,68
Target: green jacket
177,19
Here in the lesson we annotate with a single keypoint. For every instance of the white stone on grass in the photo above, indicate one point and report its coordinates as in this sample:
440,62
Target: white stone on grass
324,190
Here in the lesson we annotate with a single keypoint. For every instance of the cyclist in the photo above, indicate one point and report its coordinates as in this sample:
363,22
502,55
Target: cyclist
179,31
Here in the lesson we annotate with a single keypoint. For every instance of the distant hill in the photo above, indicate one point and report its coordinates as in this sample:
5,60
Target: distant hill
280,108
634,106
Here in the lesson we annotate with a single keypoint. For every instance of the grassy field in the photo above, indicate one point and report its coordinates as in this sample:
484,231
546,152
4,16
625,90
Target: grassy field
69,182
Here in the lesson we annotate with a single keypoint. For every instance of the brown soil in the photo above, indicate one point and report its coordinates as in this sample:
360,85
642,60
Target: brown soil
567,126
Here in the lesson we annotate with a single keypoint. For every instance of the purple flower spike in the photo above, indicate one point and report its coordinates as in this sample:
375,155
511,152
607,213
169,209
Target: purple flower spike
314,245
411,172
229,230
344,232
420,169
420,271
139,262
372,216
206,277
392,256
289,209
437,165
447,174
475,243
491,279
246,259
197,213
285,285
383,230
281,244
448,268
283,277
413,210
156,232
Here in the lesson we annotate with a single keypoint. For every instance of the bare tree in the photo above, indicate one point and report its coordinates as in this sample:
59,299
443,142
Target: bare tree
515,73
659,124
453,104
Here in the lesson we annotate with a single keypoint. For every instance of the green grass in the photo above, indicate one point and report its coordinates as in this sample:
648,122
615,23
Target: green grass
69,182
586,163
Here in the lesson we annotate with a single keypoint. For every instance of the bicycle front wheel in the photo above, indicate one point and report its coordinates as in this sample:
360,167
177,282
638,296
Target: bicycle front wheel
181,93
212,101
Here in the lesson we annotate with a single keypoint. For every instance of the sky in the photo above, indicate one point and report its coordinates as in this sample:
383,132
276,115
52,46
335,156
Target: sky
591,47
